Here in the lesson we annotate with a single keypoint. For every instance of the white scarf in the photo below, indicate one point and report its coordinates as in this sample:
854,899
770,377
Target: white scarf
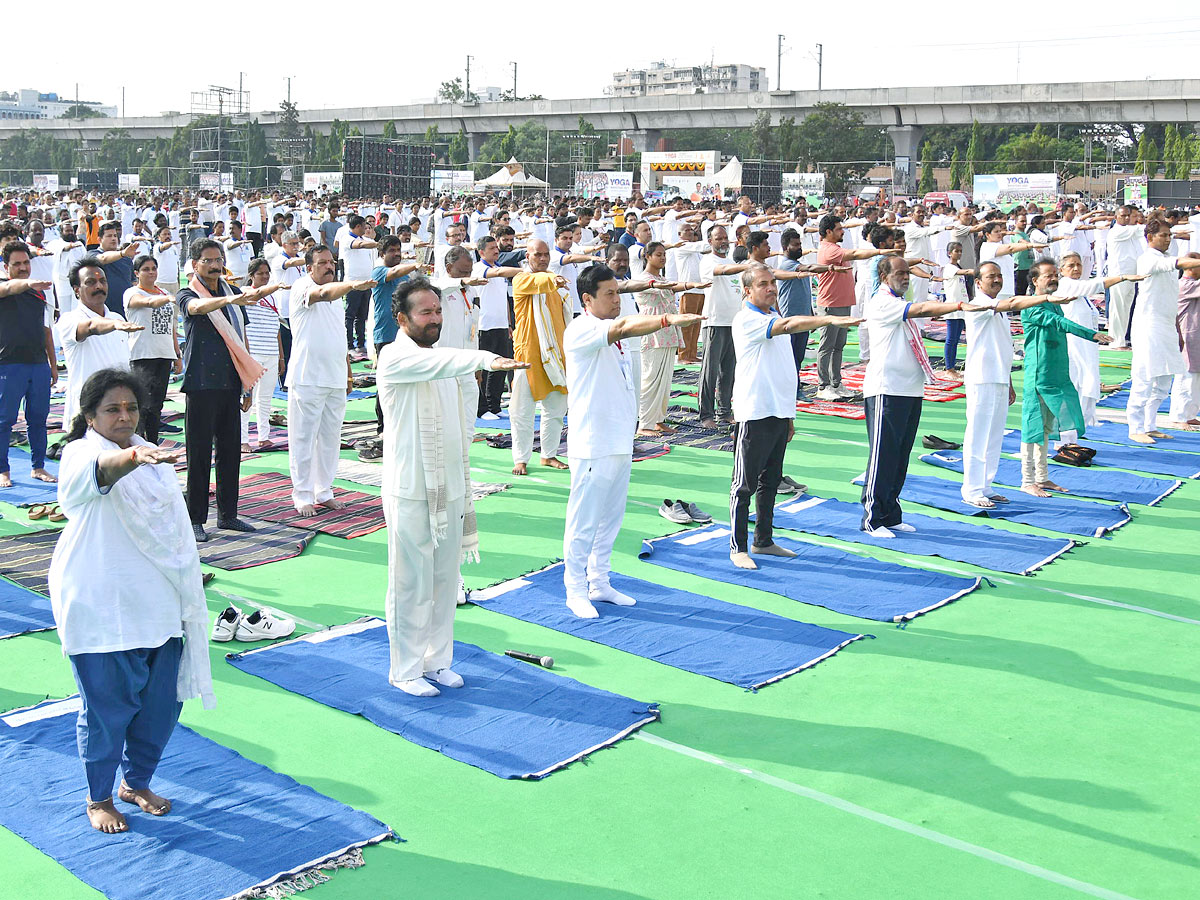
432,427
152,511
553,361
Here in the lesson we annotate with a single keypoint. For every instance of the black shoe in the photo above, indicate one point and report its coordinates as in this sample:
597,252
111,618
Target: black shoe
201,534
207,577
168,428
235,525
933,442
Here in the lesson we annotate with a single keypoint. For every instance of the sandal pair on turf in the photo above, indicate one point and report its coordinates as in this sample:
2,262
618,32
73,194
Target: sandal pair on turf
49,511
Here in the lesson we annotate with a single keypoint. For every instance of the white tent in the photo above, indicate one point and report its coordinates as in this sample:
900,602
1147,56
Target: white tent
511,175
730,177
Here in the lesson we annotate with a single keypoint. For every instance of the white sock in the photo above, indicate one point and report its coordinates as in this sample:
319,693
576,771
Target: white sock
609,594
880,532
418,687
582,607
903,526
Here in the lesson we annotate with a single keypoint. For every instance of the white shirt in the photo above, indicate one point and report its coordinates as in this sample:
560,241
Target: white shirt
318,339
1123,250
723,298
569,271
402,369
893,368
460,316
683,262
168,264
99,351
357,263
601,396
764,381
1007,264
1153,334
493,299
1084,355
916,240
124,602
989,343
237,259
286,277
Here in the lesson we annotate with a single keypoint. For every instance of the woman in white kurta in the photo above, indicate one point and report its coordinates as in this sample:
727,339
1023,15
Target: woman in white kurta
658,348
1084,355
127,594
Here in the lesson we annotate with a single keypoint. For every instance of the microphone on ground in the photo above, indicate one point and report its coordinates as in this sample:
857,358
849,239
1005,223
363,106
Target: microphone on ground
546,662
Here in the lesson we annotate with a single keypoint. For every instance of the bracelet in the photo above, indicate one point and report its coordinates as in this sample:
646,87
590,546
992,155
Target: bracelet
133,455
960,305
665,323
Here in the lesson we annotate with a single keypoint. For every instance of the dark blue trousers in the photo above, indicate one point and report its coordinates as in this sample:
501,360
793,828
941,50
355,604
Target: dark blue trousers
892,423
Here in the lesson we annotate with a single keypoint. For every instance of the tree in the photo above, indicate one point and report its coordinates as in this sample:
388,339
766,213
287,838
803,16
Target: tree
957,171
289,121
1039,152
927,184
786,139
1147,156
761,134
508,145
459,151
834,137
389,130
453,92
82,111
973,150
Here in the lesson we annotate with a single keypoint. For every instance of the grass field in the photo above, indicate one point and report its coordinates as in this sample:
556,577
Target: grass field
1036,739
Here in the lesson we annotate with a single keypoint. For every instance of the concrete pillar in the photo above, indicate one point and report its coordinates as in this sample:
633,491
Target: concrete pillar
475,142
645,140
906,139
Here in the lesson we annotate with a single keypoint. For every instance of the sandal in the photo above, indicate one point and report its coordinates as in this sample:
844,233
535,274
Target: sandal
40,511
56,515
981,503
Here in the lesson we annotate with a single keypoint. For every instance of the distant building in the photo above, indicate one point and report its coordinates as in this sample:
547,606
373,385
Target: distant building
28,104
662,79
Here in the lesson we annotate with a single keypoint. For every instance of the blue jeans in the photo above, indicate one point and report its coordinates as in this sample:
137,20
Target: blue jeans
954,330
29,382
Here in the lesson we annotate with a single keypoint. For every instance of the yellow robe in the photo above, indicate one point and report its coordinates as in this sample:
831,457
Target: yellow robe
526,287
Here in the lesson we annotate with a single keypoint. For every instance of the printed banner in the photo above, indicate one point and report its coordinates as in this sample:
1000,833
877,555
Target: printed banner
46,182
128,181
1008,191
331,181
690,188
453,181
1136,190
604,185
806,186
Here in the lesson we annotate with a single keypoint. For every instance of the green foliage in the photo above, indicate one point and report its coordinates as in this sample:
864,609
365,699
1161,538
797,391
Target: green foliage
958,171
289,120
459,151
452,91
927,183
835,136
787,139
1039,152
82,111
762,136
1147,156
389,130
973,152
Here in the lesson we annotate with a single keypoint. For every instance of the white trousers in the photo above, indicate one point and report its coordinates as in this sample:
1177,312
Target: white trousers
1185,396
987,410
521,414
595,510
1035,466
1088,405
264,391
422,587
920,289
1145,396
314,440
1120,302
657,369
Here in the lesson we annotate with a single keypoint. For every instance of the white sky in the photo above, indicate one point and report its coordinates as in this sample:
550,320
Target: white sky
562,54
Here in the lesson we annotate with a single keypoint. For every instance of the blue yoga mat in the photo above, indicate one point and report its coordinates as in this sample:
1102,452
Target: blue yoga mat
967,542
355,394
511,719
725,641
1118,433
1120,400
1139,457
23,610
846,583
1056,513
25,490
1103,484
234,824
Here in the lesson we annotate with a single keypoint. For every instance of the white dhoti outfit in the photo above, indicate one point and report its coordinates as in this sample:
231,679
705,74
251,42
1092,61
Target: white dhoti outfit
314,440
1155,340
521,416
422,589
424,557
1120,302
1185,396
1084,355
264,392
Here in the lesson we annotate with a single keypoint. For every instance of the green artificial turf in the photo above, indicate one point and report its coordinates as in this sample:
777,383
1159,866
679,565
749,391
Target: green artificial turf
1052,732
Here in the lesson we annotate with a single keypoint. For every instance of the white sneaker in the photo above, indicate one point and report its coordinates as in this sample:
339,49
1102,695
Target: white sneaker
904,526
418,687
446,678
490,417
260,626
463,596
843,391
609,594
226,625
582,607
828,394
880,532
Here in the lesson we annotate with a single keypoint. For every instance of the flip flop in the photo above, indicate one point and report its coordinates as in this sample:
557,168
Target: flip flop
985,503
40,511
56,515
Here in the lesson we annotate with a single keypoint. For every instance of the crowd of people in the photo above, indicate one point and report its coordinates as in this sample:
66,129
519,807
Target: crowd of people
568,307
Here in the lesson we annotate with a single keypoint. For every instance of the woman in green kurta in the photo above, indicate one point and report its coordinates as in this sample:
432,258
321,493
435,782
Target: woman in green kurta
1050,404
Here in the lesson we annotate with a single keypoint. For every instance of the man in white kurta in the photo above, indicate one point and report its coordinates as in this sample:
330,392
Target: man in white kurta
1084,354
602,403
1154,336
460,323
420,396
1121,255
318,380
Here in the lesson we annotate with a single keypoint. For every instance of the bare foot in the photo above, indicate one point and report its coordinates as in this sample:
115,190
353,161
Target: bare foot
667,429
709,423
145,798
1051,486
5,480
43,475
104,817
998,498
520,469
1141,439
333,503
1161,435
648,432
307,510
266,445
1034,490
554,463
246,448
